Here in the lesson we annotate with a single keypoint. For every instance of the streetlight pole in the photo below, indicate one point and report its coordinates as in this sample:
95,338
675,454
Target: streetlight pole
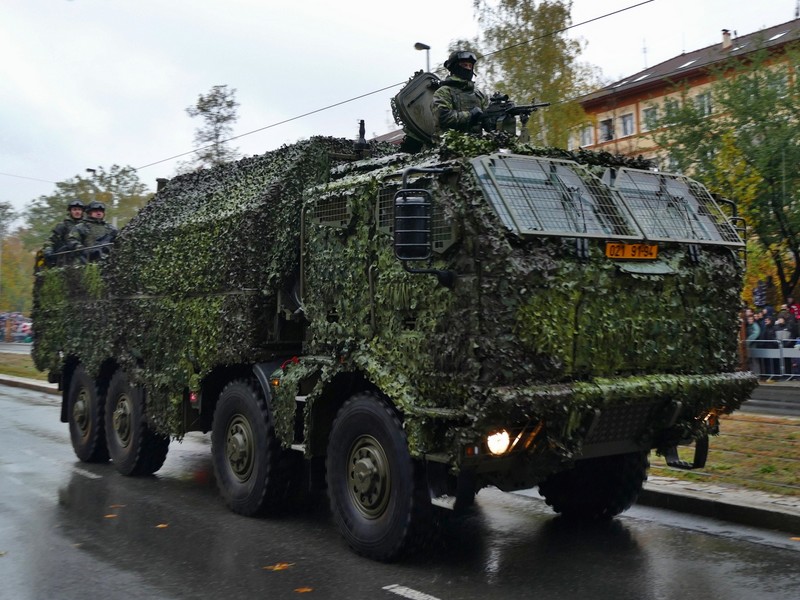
421,46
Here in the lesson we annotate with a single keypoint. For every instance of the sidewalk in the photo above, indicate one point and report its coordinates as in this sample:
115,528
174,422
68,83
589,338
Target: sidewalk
732,504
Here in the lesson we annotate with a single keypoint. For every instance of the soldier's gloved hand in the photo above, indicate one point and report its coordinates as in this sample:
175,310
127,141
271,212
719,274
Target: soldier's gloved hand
49,259
475,115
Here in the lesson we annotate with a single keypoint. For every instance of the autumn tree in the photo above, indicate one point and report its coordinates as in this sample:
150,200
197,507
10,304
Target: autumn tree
119,188
16,266
217,109
528,54
747,149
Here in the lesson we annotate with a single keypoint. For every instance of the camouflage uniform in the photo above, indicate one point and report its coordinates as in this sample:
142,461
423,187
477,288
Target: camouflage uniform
452,103
91,232
59,238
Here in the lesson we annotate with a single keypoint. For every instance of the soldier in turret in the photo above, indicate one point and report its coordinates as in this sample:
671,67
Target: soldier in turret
59,237
457,103
93,232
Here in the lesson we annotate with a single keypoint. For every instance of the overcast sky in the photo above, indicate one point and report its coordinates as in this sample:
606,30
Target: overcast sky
87,83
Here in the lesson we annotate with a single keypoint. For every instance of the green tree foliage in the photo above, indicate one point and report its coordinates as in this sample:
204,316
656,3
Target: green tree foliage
10,265
748,149
531,56
118,187
217,109
16,267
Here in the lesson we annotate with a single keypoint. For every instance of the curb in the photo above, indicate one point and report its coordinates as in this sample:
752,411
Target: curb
742,514
30,384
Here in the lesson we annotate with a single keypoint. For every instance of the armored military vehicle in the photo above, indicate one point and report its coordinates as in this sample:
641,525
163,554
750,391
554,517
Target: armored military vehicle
405,329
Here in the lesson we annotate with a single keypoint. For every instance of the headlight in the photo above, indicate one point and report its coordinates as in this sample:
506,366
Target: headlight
498,442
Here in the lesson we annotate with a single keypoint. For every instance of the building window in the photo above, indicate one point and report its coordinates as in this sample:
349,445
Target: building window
606,130
702,103
649,118
627,124
587,136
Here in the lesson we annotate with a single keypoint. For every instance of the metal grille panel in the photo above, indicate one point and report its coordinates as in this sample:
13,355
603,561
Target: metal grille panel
333,211
552,197
672,207
622,422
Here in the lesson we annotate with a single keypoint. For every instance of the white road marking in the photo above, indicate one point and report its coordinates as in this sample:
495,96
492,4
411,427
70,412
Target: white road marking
407,592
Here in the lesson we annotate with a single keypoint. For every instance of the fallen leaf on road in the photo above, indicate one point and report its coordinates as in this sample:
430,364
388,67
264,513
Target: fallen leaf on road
304,590
162,526
110,517
795,539
282,566
118,506
3,552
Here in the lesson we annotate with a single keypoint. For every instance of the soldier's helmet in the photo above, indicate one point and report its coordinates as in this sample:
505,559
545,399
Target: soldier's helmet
453,65
96,206
75,204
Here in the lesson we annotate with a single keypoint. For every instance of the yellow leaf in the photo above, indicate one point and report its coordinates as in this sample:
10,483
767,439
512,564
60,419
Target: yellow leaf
304,590
281,566
110,516
118,506
162,526
795,539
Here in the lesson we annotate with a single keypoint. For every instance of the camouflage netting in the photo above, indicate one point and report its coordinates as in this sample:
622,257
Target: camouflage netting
530,331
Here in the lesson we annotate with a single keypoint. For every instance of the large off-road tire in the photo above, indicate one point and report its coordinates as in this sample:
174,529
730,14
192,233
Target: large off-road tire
85,409
133,446
251,468
597,488
378,494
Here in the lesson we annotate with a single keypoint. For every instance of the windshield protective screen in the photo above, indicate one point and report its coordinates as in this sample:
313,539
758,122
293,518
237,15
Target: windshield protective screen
539,196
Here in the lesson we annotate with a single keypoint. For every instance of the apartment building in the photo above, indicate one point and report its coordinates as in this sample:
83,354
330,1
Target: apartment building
623,114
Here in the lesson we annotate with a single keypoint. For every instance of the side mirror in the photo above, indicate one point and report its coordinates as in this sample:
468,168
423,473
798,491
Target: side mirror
412,225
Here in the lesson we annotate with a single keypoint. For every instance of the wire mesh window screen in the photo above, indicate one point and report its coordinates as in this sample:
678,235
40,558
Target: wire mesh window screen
443,234
673,207
333,211
552,197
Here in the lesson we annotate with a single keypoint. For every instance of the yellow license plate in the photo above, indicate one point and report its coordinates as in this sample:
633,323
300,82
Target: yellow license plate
631,251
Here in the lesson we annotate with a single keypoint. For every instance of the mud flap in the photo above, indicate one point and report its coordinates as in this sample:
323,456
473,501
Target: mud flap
700,456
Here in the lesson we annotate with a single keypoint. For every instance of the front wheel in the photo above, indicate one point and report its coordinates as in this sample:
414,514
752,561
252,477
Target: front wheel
85,409
597,488
133,446
378,494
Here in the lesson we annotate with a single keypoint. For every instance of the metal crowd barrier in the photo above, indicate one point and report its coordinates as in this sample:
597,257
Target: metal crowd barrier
774,358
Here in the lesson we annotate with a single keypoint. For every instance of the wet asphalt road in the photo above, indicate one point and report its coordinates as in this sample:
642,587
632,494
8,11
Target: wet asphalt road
69,530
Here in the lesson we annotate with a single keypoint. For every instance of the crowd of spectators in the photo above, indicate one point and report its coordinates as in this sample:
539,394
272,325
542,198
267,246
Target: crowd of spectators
769,328
15,327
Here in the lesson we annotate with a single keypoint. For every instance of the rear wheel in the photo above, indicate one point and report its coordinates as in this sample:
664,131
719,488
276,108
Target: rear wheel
597,488
133,445
378,494
250,466
85,408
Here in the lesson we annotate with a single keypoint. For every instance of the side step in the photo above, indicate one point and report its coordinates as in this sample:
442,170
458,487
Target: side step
700,456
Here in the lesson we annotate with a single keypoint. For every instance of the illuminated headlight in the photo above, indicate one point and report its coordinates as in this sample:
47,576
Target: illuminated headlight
498,442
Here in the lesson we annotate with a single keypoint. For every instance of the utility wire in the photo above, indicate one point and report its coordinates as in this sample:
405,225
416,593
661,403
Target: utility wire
388,87
30,178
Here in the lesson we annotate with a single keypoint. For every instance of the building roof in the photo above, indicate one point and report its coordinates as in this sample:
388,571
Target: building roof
690,62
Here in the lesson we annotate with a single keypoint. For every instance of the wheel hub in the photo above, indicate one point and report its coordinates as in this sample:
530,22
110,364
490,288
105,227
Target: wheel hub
80,412
239,448
122,420
369,477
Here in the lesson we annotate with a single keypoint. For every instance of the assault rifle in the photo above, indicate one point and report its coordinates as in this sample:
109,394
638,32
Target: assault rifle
503,110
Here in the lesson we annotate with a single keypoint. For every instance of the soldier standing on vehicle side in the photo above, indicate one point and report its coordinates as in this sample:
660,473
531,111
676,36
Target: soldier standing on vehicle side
457,103
59,237
93,231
